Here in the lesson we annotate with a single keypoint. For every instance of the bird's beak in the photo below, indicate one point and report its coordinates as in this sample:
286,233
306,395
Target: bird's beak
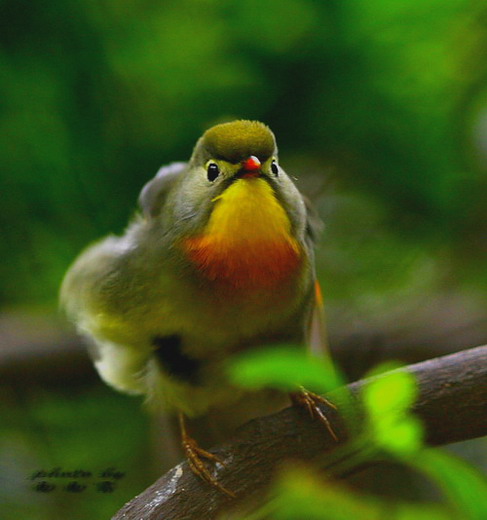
251,167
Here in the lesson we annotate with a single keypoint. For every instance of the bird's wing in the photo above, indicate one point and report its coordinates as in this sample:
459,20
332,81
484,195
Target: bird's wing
94,287
316,334
153,193
314,224
87,294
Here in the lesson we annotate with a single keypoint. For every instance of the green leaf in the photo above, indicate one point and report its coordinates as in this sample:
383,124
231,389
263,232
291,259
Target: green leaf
285,368
387,399
402,437
464,485
300,494
393,392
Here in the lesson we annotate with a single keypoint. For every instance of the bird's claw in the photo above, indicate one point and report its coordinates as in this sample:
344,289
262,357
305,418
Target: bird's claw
194,455
311,401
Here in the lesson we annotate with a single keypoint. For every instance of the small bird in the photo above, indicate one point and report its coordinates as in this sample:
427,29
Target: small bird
220,259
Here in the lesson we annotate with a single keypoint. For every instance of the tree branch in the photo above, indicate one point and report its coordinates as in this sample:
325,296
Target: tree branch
452,404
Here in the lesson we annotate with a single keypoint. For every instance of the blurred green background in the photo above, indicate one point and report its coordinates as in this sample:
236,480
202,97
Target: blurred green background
380,111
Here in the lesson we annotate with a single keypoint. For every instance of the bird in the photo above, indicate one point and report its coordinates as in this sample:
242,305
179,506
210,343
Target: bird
218,260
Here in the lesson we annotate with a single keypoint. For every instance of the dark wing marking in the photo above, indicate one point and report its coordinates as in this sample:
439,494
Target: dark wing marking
170,355
153,193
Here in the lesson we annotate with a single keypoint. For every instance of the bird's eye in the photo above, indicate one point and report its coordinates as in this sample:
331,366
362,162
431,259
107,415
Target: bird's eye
274,168
212,171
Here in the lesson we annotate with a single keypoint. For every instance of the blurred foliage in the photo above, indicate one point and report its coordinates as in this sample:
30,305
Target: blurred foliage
387,400
389,430
302,494
283,367
381,98
463,484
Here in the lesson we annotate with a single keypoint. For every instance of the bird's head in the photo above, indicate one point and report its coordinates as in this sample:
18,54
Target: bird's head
240,149
240,156
232,186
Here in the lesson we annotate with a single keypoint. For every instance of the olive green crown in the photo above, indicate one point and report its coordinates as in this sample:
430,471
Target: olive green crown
238,140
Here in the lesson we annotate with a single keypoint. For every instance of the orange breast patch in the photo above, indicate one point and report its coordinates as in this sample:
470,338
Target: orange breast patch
247,242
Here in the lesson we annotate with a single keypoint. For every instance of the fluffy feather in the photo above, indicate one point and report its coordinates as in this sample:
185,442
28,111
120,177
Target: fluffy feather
258,252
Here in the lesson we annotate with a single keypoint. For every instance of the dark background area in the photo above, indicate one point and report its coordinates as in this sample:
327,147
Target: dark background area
380,111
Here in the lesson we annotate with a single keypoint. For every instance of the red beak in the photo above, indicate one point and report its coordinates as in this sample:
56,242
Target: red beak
251,167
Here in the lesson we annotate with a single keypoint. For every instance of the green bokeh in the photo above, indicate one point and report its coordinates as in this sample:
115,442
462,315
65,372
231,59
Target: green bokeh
378,99
301,494
374,105
284,368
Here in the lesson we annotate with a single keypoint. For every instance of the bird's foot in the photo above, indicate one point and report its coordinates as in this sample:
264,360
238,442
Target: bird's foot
195,456
311,402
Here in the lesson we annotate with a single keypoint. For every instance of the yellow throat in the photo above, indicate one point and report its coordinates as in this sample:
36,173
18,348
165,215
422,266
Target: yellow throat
247,242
